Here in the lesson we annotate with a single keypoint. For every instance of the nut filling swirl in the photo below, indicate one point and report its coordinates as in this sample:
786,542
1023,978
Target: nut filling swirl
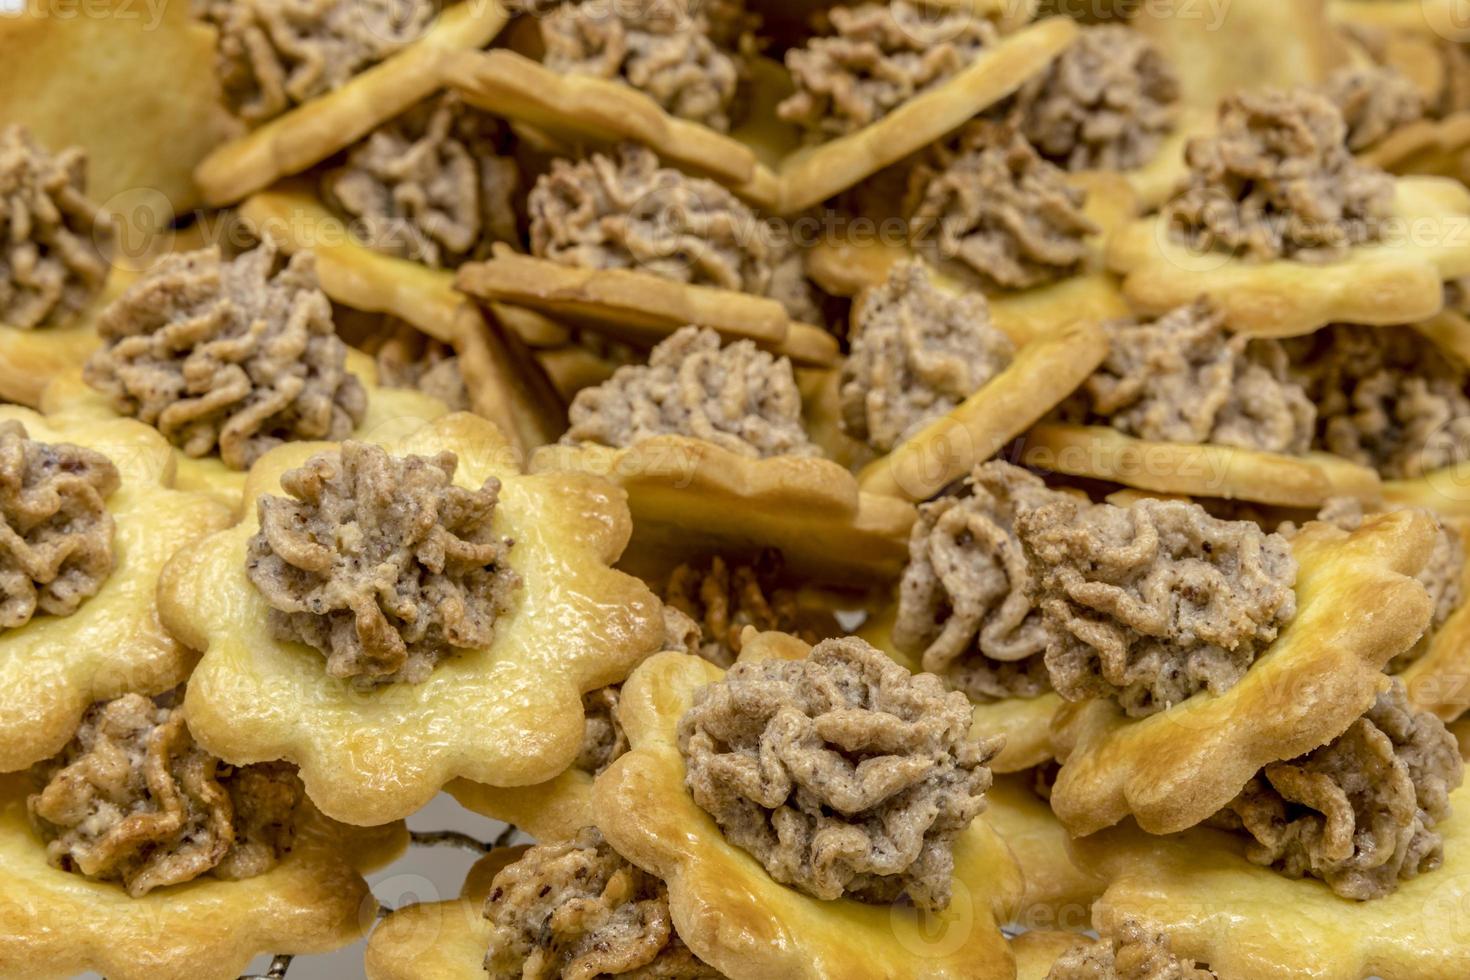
964,603
54,243
1136,952
844,774
1374,103
575,910
381,563
55,529
1151,603
987,201
1278,181
1183,378
1360,812
918,351
738,397
273,55
132,799
233,356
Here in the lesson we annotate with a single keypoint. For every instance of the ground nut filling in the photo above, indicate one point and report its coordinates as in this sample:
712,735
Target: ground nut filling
1386,397
1151,603
663,48
1360,812
381,562
1374,102
577,910
844,774
1106,103
55,530
132,799
1278,181
630,213
273,55
722,598
54,243
964,603
1184,378
233,356
1136,952
873,57
436,185
410,359
917,352
738,397
988,202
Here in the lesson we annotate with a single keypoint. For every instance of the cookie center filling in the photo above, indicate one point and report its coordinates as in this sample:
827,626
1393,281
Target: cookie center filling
738,397
1135,952
1277,180
843,774
273,55
917,352
133,799
381,563
54,242
229,356
1360,812
630,213
436,185
578,909
965,603
1151,603
1374,102
984,200
56,546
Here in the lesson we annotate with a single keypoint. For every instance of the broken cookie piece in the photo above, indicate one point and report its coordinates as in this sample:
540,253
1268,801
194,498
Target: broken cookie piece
233,357
133,799
578,909
55,530
1360,812
917,352
738,397
842,773
1150,603
54,243
381,563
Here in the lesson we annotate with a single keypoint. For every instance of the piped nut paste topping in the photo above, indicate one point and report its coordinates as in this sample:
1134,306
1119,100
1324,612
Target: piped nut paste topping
1277,181
871,58
630,213
233,356
381,562
720,598
1184,378
985,200
1360,812
917,351
1151,603
1135,952
844,774
663,48
55,531
575,910
132,799
1106,103
436,185
1374,102
1386,397
964,603
273,55
738,397
54,243
410,359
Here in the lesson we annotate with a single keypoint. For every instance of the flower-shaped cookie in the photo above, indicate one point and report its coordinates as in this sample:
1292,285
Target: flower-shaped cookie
1357,607
1247,921
508,714
724,904
54,666
57,923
